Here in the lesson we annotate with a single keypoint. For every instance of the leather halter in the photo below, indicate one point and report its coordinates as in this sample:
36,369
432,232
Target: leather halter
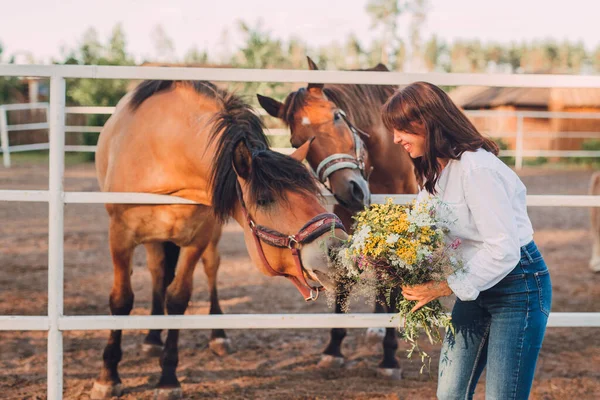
338,161
310,231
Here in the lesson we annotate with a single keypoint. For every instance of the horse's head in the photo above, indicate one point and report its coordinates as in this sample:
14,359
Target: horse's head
337,153
287,230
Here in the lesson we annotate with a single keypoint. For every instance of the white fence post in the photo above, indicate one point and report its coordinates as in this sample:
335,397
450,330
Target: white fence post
47,111
56,236
4,138
519,144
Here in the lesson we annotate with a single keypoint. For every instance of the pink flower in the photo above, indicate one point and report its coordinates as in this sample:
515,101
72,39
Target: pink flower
454,245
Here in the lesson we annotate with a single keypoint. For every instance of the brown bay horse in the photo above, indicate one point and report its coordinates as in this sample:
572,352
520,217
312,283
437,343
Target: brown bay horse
193,140
342,124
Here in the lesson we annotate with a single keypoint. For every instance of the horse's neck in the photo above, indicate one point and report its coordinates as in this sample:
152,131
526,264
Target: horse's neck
392,167
382,152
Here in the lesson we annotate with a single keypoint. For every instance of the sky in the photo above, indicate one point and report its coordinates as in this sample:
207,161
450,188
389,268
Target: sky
43,27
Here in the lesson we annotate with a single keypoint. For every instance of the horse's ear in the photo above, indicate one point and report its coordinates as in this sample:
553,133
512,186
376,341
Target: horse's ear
313,67
300,153
271,106
380,67
242,159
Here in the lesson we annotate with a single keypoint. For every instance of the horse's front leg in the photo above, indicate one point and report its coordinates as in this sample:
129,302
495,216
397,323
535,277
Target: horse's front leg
219,342
389,367
108,383
332,355
376,335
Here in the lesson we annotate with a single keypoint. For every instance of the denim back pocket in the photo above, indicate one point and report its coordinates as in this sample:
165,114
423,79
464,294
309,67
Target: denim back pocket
544,285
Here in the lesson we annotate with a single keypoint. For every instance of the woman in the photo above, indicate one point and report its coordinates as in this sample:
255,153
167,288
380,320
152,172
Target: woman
505,293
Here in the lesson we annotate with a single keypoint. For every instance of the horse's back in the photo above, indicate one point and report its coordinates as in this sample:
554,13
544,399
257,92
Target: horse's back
161,146
151,148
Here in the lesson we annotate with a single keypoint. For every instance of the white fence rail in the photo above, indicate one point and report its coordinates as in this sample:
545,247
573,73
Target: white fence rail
55,322
5,129
519,153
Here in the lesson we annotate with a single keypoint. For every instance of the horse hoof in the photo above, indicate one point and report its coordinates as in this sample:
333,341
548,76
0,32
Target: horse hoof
152,350
220,346
375,335
392,374
595,265
328,361
168,394
105,390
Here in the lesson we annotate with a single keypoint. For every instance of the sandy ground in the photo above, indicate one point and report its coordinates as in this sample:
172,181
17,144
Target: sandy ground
273,364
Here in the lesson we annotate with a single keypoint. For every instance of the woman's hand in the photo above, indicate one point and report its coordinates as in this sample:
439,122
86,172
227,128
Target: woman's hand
426,292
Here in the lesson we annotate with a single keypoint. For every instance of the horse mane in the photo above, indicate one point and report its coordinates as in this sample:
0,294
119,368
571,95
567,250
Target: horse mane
272,174
147,89
362,103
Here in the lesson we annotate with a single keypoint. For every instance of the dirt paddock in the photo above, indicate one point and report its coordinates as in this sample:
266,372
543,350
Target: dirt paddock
269,364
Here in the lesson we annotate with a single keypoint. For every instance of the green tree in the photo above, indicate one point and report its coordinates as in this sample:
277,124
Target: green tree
374,53
418,10
260,50
102,92
578,56
297,51
91,49
332,56
384,14
476,56
98,92
538,57
116,50
10,87
163,45
354,52
596,59
434,51
195,56
495,53
399,56
514,56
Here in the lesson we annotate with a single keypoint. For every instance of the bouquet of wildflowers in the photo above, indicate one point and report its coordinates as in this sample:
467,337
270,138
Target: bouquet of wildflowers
401,245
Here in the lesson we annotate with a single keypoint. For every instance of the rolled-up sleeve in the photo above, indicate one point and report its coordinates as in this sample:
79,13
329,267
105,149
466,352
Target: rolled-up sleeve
495,219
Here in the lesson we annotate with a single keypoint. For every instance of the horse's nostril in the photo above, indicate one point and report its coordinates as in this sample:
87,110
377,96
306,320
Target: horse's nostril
357,193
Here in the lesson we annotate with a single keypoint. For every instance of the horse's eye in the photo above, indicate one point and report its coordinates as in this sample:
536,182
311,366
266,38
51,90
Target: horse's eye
264,201
337,116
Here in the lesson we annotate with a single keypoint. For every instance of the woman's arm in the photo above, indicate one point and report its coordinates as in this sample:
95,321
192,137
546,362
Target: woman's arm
493,214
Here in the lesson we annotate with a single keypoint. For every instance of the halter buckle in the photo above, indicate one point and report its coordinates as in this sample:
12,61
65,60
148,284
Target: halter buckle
313,296
292,240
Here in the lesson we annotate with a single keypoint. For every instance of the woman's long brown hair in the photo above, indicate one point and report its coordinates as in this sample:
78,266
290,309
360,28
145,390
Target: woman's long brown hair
449,133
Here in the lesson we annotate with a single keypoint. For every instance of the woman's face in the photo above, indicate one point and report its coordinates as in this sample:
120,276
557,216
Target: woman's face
413,143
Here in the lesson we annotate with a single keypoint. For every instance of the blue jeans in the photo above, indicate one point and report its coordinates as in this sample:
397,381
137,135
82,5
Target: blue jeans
503,328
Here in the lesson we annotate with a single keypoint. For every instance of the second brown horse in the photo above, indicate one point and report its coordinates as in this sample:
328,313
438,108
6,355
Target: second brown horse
343,125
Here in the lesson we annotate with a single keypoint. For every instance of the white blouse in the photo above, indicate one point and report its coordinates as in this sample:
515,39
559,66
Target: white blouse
487,202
